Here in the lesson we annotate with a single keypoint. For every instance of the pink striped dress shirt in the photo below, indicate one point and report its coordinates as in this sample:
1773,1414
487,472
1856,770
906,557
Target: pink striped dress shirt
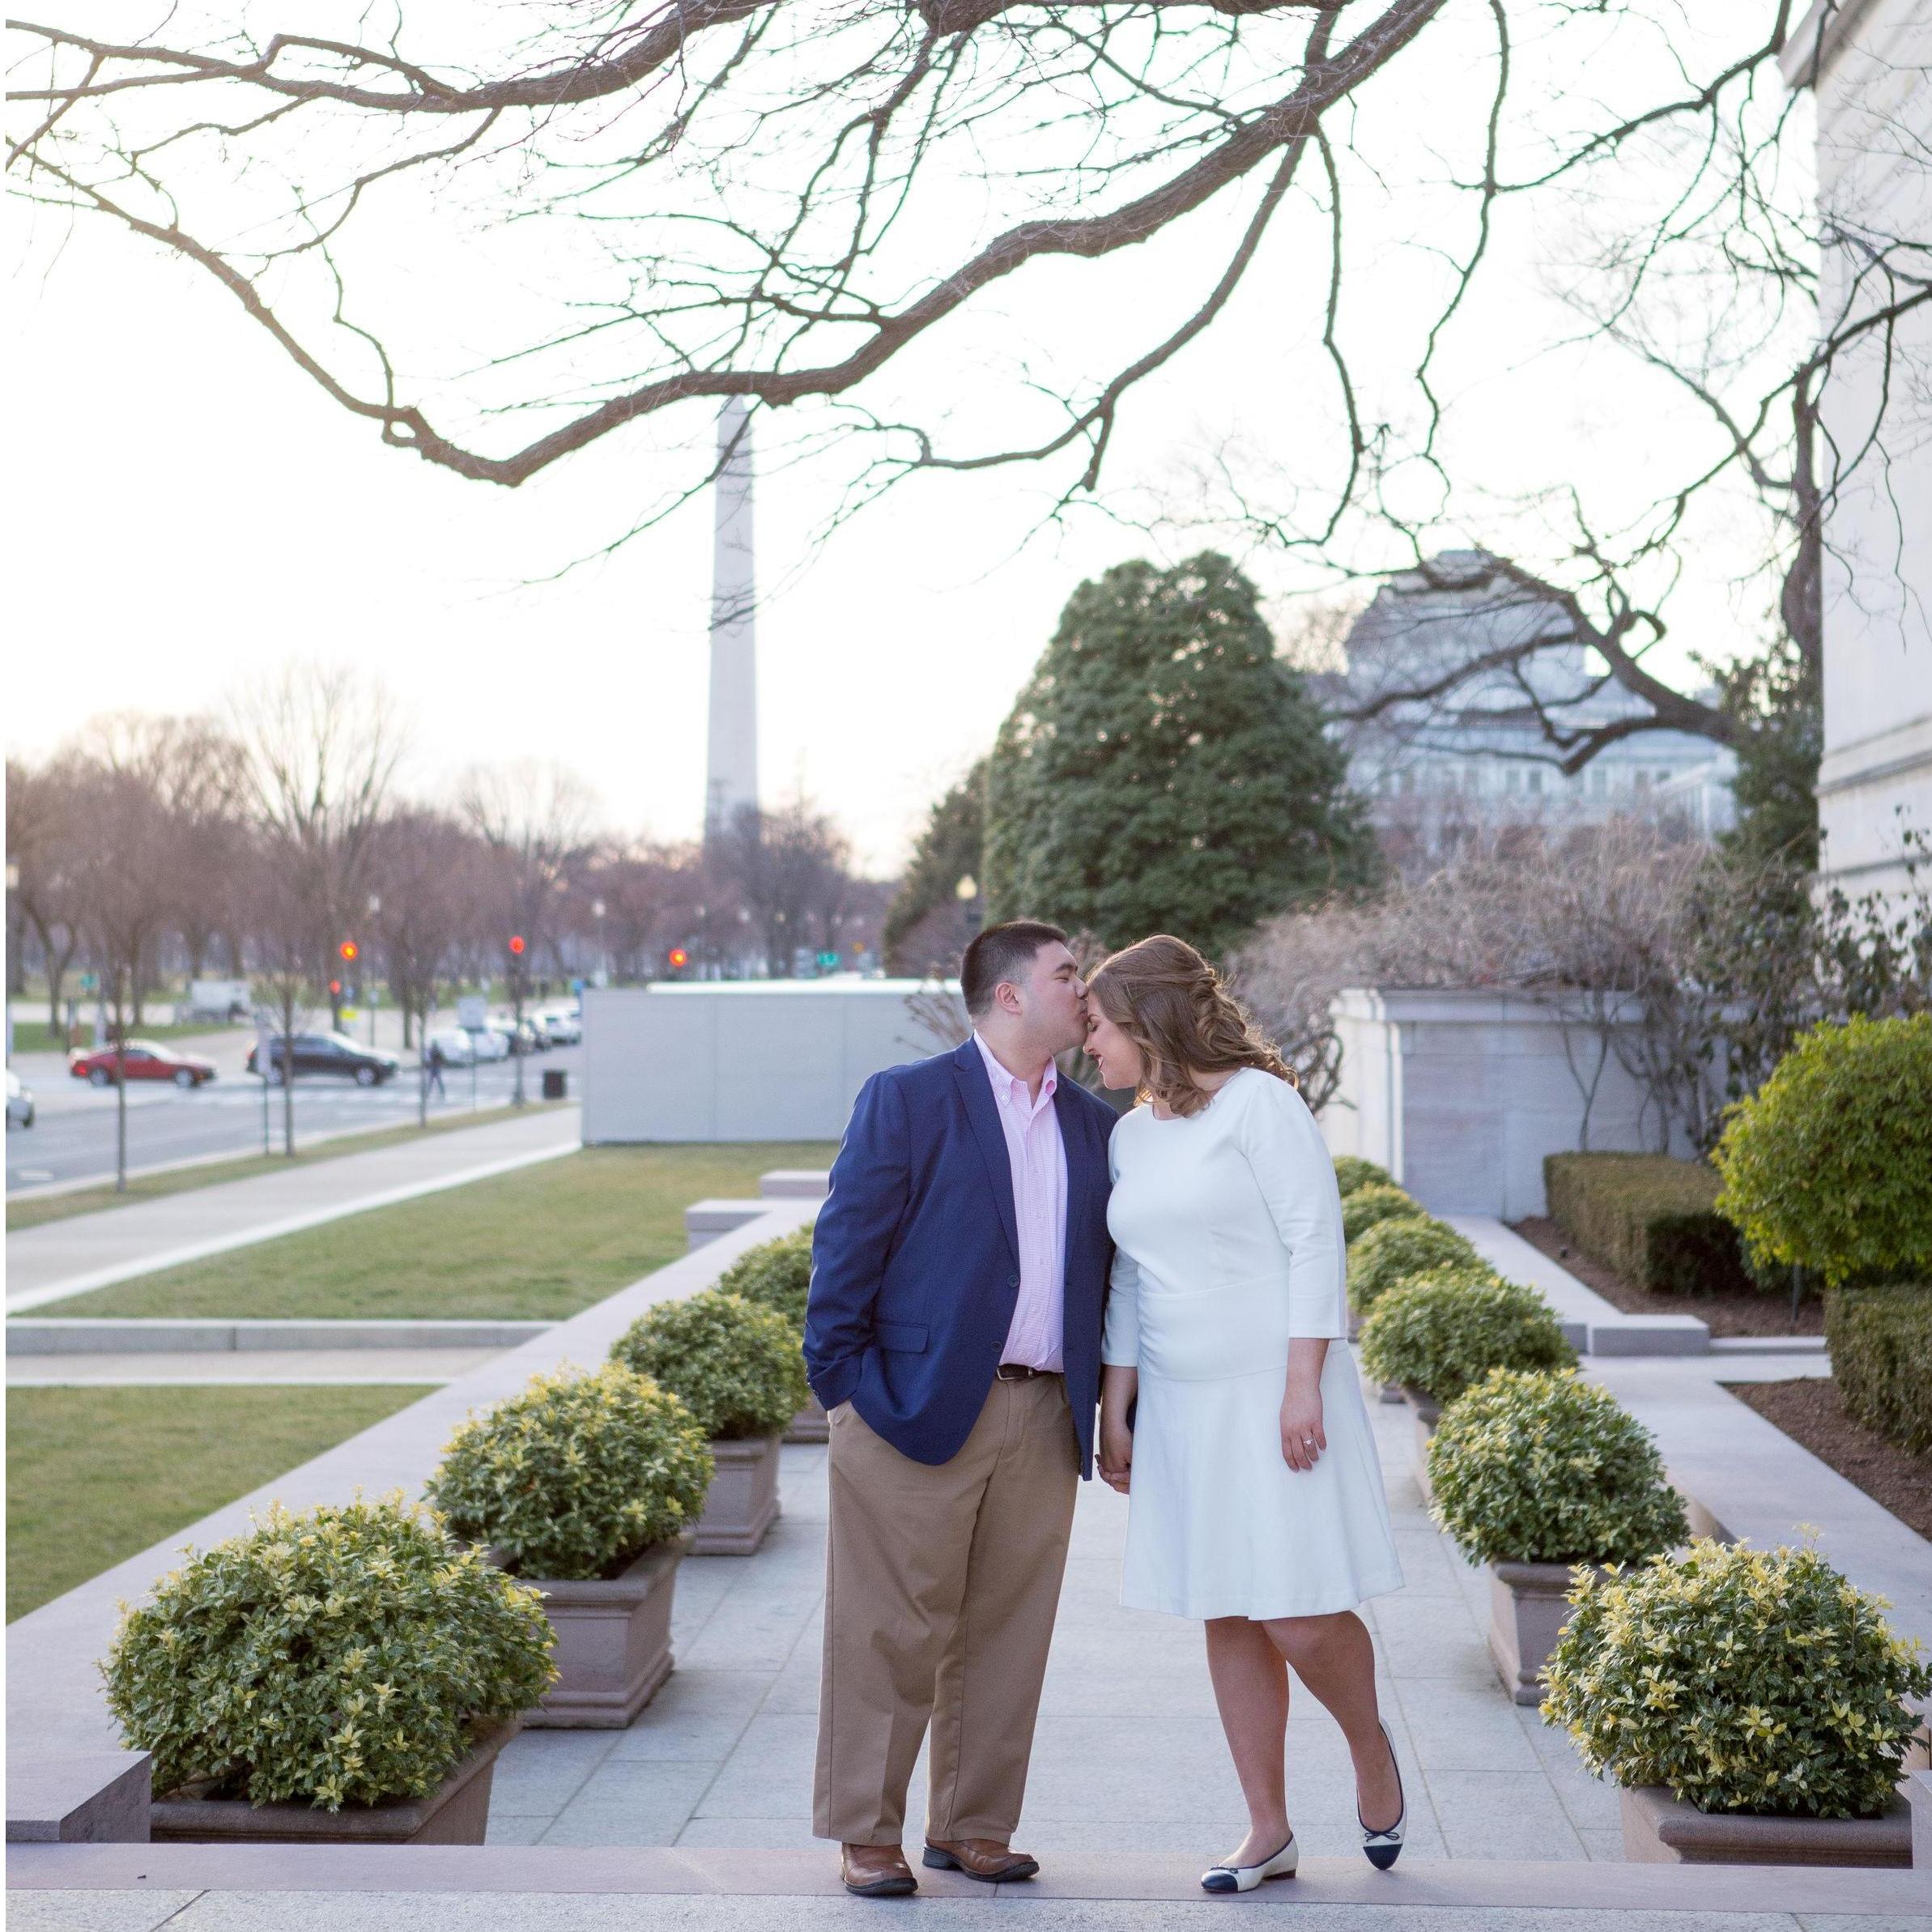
1037,1156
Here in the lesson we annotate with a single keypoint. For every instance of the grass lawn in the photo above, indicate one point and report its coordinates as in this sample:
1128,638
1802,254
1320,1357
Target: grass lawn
538,1244
36,1037
146,1187
94,1475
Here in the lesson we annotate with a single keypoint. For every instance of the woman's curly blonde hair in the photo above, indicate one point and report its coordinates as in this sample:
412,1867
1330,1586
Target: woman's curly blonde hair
1171,1003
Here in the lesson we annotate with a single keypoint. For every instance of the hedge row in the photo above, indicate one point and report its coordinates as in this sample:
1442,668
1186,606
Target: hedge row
1649,1218
1881,1344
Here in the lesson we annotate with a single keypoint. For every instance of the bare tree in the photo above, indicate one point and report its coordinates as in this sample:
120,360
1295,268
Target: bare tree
753,198
788,867
122,842
41,846
649,895
537,822
426,873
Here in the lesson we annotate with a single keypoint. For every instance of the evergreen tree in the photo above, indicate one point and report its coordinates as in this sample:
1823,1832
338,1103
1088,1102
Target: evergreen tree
928,923
1776,699
1163,771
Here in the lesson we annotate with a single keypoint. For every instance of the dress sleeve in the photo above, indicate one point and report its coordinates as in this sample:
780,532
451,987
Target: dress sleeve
1120,1340
1278,1138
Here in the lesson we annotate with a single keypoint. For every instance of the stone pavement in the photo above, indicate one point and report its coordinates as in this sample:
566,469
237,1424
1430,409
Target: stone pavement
59,1258
1129,1753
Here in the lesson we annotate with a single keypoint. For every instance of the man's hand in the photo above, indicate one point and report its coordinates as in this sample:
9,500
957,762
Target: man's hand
1116,1448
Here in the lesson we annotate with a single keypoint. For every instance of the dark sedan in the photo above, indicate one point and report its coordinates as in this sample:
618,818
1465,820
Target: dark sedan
140,1060
328,1053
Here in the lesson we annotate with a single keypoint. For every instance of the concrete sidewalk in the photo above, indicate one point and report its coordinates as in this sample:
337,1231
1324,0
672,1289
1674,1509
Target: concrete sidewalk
59,1258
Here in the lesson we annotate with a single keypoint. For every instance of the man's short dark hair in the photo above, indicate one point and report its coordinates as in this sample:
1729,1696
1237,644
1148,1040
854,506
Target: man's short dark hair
1001,952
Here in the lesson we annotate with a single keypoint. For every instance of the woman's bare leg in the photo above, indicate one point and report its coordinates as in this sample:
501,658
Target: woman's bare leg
1335,1656
1251,1688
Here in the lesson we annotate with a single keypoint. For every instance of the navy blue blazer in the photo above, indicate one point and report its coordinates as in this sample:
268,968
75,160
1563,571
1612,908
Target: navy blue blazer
916,1257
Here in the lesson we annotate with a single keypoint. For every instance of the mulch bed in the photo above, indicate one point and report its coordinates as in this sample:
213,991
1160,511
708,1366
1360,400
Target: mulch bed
1730,1314
1809,1412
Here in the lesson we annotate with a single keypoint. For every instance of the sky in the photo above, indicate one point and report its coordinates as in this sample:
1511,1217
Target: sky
187,511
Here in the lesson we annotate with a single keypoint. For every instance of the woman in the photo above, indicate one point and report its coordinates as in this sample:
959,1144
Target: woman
1230,1405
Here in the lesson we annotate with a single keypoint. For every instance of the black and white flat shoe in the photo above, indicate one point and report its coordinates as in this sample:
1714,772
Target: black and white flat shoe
1245,1878
1382,1848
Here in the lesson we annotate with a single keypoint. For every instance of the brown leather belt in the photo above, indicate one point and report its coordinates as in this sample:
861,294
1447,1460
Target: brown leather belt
1019,1371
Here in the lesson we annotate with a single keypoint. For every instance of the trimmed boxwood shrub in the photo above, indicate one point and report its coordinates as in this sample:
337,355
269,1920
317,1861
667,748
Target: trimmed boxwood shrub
1744,1680
737,1367
1545,1467
1392,1251
1367,1205
576,1477
1828,1165
1881,1344
1438,1333
1649,1219
341,1656
774,1274
1352,1172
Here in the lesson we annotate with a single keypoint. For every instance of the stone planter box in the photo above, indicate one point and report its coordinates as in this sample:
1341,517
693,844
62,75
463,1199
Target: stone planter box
1659,1829
809,1424
1527,1612
742,1504
456,1813
612,1642
1428,1412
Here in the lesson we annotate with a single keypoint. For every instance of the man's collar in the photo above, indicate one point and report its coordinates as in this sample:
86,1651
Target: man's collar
1002,1076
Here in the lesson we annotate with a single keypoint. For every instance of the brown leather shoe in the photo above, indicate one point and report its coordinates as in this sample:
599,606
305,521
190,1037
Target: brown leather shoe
875,1871
983,1858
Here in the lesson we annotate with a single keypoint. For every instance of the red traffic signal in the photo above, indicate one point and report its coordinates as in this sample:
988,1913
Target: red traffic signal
679,959
516,944
335,988
348,949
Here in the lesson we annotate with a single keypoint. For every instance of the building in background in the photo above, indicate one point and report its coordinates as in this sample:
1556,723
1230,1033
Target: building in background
1473,755
1866,62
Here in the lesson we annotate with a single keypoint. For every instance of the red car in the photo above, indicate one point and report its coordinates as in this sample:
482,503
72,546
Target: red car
143,1060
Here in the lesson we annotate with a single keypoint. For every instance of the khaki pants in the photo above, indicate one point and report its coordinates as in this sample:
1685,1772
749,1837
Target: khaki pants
941,1586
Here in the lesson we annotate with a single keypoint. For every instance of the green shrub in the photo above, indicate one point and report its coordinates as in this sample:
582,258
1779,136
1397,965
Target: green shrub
340,1656
1828,1165
1367,1205
1440,1333
1744,1680
1391,1251
1545,1467
736,1368
576,1476
1649,1219
1352,1172
774,1274
1881,1344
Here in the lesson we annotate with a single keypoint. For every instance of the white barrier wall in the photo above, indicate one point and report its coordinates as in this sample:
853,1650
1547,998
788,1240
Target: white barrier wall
742,1060
1460,1094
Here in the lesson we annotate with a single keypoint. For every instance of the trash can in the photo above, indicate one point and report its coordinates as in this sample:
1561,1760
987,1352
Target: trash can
555,1079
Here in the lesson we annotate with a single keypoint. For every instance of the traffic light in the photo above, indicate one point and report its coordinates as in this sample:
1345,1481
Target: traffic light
335,988
679,959
516,944
348,949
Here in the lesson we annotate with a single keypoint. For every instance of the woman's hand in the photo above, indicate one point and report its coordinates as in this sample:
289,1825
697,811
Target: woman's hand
1118,1387
1302,1438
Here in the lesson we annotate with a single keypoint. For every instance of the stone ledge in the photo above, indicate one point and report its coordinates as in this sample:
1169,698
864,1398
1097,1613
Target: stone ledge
85,1797
694,1874
795,1184
1649,1335
54,1336
705,1220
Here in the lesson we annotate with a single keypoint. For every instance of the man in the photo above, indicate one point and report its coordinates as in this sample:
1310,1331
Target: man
953,1334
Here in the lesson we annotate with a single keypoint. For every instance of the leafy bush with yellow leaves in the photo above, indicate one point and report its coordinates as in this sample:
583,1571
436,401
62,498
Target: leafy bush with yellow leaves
1744,1680
1366,1205
340,1656
1441,1332
774,1274
576,1476
1393,1251
737,1367
1352,1172
1532,1466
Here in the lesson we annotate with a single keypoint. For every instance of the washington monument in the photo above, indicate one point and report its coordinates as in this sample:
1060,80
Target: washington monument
731,770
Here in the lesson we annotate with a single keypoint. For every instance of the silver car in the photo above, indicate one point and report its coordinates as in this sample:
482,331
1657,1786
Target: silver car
20,1101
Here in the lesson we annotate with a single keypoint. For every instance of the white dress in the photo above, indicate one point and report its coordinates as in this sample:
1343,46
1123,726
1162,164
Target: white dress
1227,1230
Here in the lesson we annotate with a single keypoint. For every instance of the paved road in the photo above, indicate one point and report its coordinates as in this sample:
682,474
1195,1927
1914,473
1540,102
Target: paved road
72,1137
